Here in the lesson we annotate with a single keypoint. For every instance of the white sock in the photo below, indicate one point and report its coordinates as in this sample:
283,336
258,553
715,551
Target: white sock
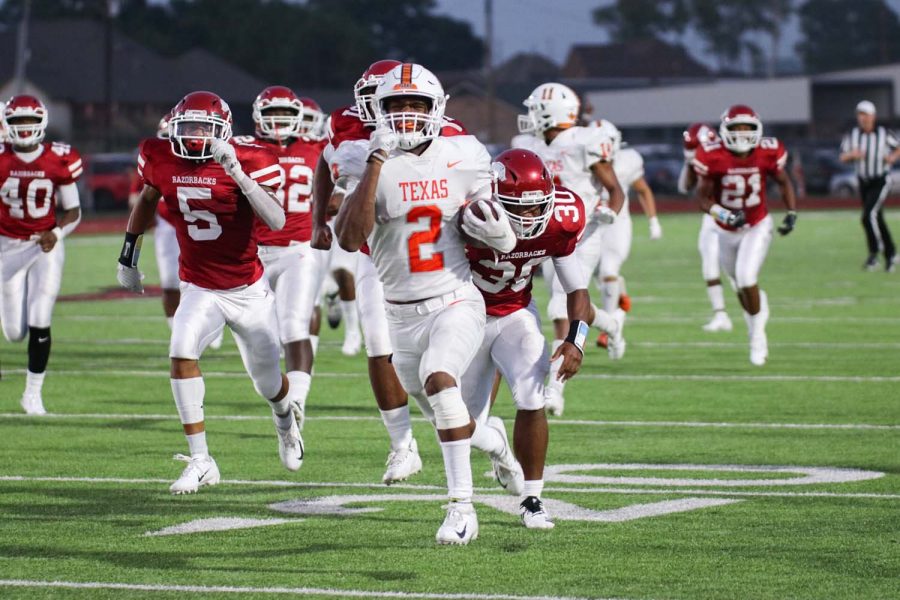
487,439
622,290
610,295
533,487
169,321
34,382
314,342
197,444
716,297
281,411
457,464
189,395
351,317
299,390
553,382
603,320
399,428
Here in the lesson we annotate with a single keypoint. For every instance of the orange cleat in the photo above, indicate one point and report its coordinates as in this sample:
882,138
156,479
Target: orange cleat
624,303
603,339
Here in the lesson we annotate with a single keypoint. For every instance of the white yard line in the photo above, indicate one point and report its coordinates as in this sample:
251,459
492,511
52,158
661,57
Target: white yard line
293,591
626,491
576,422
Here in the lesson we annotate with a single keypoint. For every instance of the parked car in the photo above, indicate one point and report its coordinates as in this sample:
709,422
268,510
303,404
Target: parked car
108,179
662,165
846,184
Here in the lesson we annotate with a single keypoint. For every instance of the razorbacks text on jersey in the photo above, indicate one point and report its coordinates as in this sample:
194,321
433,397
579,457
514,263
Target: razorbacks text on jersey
298,159
27,189
505,281
215,224
417,249
571,154
739,182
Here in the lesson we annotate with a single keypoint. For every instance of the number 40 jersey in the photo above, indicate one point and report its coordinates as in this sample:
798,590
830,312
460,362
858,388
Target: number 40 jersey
212,218
505,281
739,183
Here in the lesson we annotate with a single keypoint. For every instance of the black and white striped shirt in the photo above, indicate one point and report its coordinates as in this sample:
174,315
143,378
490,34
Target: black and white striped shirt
875,146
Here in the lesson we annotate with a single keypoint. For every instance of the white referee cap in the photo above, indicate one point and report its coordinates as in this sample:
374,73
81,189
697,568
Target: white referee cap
865,107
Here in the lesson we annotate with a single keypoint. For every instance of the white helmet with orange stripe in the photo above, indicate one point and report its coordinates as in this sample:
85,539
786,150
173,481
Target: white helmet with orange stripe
411,81
550,105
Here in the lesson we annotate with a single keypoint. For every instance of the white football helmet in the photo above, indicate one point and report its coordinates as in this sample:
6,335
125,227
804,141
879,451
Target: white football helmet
412,128
550,105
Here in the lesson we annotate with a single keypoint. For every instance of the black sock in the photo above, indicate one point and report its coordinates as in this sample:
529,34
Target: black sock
38,349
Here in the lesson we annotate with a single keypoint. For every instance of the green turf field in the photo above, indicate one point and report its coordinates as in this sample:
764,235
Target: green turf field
80,491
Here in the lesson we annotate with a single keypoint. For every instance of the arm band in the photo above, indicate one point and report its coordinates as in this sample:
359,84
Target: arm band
578,331
131,250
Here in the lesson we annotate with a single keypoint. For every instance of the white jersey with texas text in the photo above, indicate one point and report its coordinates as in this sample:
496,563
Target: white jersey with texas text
415,244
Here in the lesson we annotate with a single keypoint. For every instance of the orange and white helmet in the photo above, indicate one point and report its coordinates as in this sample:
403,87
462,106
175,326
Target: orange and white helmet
740,141
364,89
24,134
312,120
412,128
550,105
280,127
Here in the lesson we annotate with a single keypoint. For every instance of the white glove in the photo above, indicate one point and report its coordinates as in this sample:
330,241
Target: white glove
382,142
224,154
655,228
130,278
605,214
496,232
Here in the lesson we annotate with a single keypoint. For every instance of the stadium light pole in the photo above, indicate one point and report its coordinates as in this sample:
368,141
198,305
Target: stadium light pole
22,48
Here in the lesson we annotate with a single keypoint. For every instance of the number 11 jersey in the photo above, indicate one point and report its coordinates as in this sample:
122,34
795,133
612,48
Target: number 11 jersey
212,218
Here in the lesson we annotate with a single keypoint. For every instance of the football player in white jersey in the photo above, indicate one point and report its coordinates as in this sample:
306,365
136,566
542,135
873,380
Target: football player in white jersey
407,207
581,159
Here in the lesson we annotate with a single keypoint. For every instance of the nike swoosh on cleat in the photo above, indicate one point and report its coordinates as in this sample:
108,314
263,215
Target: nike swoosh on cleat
461,534
450,165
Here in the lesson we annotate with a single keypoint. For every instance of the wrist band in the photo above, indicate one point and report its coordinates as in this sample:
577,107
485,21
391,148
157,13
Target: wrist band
131,250
578,331
58,232
719,213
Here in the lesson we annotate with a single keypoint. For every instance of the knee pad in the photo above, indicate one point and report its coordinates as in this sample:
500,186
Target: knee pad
449,409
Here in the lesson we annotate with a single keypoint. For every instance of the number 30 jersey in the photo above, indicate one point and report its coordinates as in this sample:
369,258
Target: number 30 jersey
739,183
415,244
505,281
27,189
213,220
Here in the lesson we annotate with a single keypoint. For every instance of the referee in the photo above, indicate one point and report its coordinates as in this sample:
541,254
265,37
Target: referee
874,150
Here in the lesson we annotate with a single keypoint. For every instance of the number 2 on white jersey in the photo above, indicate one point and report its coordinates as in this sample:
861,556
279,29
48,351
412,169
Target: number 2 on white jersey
417,264
201,234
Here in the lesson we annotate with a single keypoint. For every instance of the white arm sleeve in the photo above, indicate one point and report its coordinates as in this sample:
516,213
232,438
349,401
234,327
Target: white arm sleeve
569,273
263,203
68,196
683,179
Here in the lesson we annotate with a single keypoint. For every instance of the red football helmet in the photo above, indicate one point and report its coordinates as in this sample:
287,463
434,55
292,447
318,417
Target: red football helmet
196,121
24,107
521,184
364,90
695,136
162,129
740,141
282,126
312,123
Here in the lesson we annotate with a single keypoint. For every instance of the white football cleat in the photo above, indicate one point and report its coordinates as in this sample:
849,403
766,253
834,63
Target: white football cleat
554,401
533,514
299,413
460,526
32,404
616,344
290,445
352,343
719,322
402,464
201,470
506,468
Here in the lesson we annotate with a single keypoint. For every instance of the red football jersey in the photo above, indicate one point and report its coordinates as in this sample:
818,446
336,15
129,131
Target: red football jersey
137,186
214,221
505,281
27,189
739,183
298,160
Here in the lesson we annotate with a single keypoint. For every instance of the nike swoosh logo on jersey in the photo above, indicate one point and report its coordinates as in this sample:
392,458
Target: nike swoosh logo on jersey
450,165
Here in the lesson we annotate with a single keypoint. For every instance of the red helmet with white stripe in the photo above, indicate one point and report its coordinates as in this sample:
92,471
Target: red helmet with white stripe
695,136
162,128
25,120
740,140
277,127
524,186
312,122
364,90
196,121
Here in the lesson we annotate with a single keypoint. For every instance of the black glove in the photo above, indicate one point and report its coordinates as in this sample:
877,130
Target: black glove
787,225
737,218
